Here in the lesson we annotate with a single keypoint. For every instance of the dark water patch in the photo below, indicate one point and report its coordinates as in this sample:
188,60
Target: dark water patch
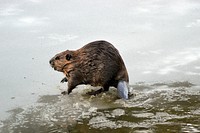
181,84
167,128
48,99
141,87
15,111
190,119
12,98
158,109
185,84
159,84
84,128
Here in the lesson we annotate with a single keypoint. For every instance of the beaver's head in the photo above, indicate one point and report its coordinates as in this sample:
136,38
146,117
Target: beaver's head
62,60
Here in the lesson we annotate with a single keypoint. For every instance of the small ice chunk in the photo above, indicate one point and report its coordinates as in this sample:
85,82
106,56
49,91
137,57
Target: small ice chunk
118,112
92,109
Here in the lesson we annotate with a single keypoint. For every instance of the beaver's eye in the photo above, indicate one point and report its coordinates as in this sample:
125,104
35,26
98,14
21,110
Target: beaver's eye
68,57
57,58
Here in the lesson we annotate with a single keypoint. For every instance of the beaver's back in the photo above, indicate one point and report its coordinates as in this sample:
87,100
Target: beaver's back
100,63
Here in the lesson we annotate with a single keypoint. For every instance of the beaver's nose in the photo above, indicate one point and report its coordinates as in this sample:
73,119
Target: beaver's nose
51,62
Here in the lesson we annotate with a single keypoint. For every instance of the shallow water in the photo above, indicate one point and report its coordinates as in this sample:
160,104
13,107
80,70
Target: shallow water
158,40
160,107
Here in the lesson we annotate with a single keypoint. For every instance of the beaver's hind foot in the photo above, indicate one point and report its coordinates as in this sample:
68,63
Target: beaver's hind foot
93,92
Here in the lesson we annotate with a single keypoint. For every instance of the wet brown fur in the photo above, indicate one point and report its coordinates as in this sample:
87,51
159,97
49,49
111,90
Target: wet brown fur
97,63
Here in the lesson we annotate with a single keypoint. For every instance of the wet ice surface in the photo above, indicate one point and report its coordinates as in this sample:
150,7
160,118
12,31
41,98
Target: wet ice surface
160,107
158,40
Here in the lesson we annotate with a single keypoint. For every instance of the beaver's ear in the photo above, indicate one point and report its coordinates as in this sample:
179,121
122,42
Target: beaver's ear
68,57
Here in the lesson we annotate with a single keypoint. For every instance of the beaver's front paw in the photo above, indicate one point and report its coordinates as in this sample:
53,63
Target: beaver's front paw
64,92
63,80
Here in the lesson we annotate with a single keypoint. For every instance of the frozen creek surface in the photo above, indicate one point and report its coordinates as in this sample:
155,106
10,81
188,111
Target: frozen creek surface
161,107
157,39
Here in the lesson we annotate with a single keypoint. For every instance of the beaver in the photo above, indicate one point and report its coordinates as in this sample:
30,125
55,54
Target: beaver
97,63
